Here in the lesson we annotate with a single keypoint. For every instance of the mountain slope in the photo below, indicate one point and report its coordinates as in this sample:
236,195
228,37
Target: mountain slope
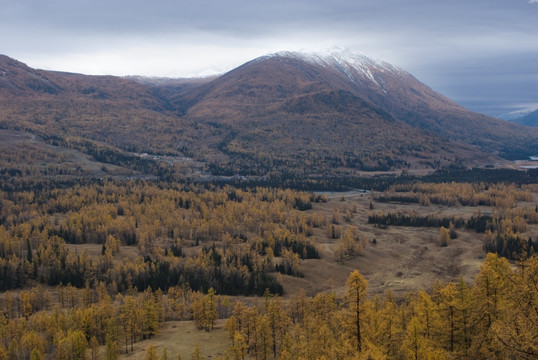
530,119
286,113
283,110
411,119
408,100
107,109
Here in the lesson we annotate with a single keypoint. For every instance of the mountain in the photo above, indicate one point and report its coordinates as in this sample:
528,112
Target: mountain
530,119
107,109
286,89
286,113
284,110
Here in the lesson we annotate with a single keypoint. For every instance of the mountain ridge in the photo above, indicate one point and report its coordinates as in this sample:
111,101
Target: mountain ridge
530,119
401,95
285,112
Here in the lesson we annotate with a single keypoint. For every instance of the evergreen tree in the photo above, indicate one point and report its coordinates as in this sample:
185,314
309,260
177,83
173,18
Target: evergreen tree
150,320
35,355
111,343
151,353
239,347
196,353
356,300
3,353
94,346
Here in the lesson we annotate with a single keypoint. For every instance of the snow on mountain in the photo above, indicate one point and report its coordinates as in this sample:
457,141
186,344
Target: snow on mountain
351,64
524,110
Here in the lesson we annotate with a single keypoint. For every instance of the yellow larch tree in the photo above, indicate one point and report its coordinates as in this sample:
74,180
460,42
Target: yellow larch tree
357,308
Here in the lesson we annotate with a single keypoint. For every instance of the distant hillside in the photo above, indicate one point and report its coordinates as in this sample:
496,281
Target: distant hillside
530,119
287,113
108,109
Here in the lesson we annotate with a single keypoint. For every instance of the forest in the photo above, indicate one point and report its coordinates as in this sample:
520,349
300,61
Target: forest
89,269
493,318
237,234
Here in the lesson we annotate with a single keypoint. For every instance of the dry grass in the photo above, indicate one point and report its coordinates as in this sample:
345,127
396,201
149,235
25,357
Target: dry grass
180,337
403,259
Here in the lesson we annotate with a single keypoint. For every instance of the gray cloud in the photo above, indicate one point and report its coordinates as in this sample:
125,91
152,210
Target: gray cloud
472,51
494,86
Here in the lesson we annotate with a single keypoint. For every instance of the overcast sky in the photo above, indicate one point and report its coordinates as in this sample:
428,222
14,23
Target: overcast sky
480,53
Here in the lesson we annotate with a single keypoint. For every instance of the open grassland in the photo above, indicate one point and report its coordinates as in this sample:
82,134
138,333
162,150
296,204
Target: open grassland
180,338
402,259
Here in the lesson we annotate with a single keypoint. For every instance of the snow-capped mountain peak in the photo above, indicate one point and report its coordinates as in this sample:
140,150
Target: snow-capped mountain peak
355,66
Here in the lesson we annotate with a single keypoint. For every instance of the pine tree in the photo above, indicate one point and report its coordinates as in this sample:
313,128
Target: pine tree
389,334
72,346
444,236
427,313
487,295
94,346
151,353
356,300
415,345
210,308
463,305
150,319
204,310
35,355
129,319
3,353
79,345
87,294
196,353
111,343
278,322
239,347
264,339
26,304
516,332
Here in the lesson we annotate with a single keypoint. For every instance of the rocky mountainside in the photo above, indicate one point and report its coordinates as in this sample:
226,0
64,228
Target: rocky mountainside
287,113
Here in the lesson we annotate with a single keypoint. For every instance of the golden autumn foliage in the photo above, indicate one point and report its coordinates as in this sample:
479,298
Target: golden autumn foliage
452,194
153,252
494,318
244,234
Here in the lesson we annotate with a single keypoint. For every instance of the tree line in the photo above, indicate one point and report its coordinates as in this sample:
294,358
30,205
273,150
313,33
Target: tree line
414,220
457,194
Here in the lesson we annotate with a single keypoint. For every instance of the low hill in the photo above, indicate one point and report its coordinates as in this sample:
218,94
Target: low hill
108,109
